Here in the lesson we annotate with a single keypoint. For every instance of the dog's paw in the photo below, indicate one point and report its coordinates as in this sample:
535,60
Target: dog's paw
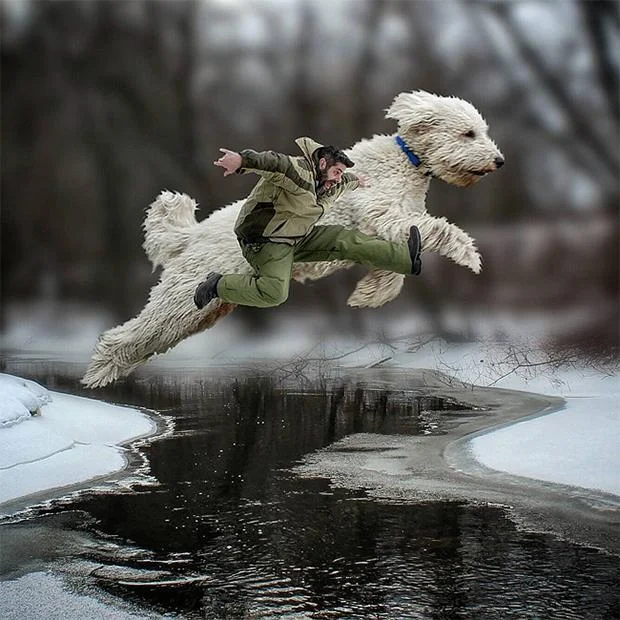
364,299
375,289
471,259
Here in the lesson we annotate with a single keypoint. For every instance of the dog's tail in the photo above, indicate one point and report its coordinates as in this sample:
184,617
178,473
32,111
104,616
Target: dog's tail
158,328
168,226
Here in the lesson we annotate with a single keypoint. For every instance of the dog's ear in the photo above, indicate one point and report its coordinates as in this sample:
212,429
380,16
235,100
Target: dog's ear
414,111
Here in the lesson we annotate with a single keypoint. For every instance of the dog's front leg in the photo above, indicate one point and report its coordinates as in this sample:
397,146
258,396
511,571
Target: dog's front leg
449,240
376,288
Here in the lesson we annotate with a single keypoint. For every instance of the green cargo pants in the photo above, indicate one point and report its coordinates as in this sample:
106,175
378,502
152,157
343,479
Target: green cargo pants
273,263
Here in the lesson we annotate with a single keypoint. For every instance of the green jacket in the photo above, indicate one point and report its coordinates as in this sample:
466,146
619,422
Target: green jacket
284,206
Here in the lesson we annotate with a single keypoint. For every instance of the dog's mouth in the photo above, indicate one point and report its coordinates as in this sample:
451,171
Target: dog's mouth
466,177
480,173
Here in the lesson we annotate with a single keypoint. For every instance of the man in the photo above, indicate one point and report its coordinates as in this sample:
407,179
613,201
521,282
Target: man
277,225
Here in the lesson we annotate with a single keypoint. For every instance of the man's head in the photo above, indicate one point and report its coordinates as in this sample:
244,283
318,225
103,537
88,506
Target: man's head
331,164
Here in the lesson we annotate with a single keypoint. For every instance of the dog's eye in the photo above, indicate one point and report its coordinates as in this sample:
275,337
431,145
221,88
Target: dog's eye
470,134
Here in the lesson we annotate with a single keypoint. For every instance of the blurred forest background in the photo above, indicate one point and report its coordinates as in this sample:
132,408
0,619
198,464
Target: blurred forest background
105,103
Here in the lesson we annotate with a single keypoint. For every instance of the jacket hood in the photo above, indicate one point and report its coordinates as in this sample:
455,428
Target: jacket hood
308,146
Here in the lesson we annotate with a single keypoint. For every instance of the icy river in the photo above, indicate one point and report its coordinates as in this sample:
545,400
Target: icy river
248,508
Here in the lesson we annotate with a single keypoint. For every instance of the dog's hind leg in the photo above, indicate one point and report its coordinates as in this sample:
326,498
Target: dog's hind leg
122,349
315,271
376,288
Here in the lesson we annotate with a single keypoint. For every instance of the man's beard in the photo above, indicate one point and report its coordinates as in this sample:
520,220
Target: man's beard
322,183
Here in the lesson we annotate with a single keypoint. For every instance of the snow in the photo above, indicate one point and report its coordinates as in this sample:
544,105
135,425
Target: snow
577,446
73,440
21,399
43,595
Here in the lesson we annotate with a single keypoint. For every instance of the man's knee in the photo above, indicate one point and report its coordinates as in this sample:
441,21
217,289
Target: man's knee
274,292
348,242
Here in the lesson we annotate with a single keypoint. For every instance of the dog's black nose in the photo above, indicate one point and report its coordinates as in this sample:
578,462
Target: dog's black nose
499,162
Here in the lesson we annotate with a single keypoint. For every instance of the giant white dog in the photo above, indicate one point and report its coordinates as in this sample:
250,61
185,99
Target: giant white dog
442,137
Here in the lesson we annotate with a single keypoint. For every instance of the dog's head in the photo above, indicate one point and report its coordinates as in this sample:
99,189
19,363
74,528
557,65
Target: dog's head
448,135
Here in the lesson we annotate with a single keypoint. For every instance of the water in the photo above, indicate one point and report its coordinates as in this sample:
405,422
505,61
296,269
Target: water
232,532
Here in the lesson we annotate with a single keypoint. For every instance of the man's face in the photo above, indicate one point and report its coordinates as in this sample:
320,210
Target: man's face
331,174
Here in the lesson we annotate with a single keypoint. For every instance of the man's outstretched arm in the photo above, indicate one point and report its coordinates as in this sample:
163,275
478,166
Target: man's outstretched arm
276,167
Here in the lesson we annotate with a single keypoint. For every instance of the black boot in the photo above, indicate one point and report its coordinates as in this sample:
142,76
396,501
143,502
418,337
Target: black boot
415,249
207,290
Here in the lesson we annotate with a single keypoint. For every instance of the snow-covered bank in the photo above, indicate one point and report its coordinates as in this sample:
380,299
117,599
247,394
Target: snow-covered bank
43,595
73,439
577,446
21,399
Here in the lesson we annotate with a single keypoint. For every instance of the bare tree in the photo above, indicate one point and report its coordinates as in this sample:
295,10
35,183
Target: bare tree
118,91
304,96
583,125
601,18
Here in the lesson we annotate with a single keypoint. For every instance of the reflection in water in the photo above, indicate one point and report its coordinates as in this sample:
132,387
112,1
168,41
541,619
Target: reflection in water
231,533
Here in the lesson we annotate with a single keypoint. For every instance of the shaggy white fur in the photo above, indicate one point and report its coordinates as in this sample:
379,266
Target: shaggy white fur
446,133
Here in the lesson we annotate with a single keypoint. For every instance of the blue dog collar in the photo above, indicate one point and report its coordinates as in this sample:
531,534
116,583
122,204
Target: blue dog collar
411,156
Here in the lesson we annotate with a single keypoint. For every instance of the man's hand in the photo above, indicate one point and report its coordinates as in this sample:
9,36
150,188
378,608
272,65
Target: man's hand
363,180
230,161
